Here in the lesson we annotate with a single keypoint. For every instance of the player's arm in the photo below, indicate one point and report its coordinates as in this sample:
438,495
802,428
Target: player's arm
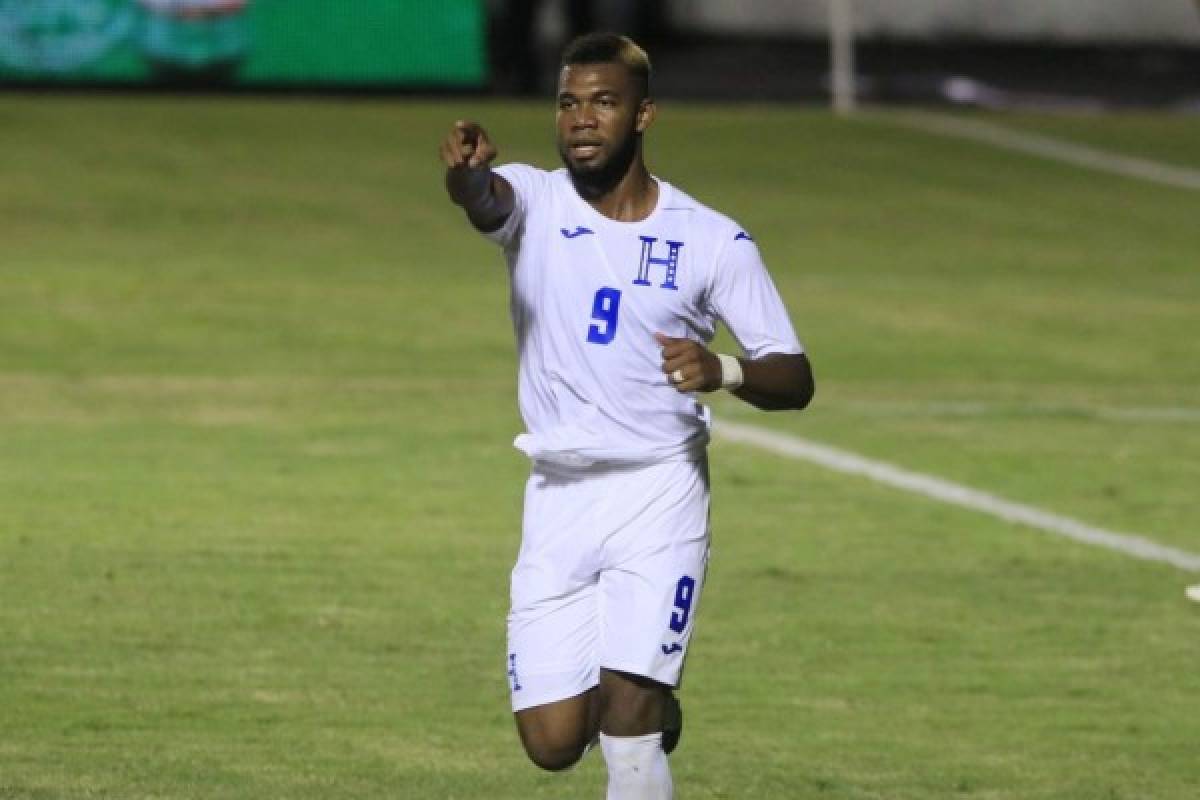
468,152
773,382
777,381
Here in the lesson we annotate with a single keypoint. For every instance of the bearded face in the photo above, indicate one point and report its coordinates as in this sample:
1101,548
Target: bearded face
600,120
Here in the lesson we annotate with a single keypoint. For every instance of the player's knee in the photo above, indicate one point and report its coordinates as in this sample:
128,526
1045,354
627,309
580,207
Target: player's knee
554,737
630,705
554,756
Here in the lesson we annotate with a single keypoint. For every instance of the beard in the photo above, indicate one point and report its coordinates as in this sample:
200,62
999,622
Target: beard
595,180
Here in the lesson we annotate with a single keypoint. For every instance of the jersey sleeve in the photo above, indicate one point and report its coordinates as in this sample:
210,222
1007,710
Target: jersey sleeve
526,183
743,296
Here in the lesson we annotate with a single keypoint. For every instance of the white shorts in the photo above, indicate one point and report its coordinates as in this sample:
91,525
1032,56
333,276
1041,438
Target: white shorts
609,575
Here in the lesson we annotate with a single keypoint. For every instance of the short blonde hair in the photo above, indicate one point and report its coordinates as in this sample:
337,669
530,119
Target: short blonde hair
611,48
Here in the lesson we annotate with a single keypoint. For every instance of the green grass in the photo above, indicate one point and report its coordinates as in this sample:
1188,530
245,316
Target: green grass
258,503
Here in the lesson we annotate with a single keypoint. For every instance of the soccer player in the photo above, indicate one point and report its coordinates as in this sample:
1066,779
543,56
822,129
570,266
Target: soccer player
618,280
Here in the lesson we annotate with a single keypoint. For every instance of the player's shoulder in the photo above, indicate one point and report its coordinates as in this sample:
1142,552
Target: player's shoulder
721,227
525,176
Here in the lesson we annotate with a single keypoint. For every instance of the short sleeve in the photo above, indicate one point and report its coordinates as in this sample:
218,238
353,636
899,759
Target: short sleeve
743,296
526,182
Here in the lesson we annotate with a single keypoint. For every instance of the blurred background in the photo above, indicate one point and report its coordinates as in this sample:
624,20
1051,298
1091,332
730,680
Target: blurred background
993,53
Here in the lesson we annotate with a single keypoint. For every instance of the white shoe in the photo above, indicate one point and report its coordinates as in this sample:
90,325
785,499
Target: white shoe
1193,593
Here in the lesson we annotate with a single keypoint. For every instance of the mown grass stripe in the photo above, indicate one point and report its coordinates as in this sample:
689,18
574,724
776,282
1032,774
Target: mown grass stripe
944,491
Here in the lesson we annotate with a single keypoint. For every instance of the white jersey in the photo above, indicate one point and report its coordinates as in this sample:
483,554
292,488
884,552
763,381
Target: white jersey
588,295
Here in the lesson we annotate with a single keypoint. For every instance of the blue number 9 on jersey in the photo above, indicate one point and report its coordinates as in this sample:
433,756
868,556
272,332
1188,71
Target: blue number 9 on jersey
605,307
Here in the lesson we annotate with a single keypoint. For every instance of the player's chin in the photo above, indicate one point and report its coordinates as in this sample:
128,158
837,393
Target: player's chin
585,166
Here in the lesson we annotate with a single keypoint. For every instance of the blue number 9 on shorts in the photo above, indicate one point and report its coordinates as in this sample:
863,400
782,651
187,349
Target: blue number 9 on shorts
684,591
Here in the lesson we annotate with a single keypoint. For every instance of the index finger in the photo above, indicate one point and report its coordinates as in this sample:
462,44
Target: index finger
483,151
468,132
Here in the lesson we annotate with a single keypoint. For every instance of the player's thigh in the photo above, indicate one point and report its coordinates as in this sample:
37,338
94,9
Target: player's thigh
553,619
552,649
650,589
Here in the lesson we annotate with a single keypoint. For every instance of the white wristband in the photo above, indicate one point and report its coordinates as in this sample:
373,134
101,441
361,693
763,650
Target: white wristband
731,372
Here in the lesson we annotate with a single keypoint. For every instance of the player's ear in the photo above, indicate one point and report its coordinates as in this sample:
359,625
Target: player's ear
645,114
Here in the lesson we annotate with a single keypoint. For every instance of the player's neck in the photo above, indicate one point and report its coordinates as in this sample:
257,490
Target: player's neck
631,199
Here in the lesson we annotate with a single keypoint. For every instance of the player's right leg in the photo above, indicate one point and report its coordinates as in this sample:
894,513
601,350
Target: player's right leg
552,624
559,695
553,675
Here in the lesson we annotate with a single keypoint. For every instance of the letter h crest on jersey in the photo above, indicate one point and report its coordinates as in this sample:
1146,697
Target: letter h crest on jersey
670,263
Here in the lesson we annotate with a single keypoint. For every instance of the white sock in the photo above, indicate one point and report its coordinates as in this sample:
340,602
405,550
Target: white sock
637,767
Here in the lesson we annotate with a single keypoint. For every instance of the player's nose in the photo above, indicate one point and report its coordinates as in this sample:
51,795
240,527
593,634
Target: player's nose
583,119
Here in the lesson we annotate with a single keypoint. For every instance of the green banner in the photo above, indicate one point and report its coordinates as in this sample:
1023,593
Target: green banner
244,42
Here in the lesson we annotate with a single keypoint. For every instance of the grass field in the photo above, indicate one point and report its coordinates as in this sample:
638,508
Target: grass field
258,503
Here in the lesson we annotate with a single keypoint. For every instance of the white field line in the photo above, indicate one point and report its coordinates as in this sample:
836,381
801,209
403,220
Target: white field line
1150,414
954,494
1049,147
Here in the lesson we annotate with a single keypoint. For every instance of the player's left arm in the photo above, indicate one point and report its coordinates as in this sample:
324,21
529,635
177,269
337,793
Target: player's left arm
773,382
773,372
777,382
